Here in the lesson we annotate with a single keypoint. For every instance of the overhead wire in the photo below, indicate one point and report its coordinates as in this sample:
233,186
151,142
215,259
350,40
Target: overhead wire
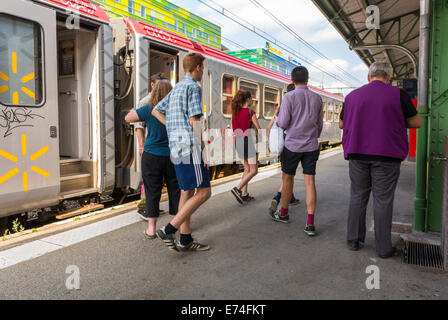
235,18
302,40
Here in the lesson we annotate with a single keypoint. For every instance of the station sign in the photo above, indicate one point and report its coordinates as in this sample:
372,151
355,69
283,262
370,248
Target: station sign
270,48
82,7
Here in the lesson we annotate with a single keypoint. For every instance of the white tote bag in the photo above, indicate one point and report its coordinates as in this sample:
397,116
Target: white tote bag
276,139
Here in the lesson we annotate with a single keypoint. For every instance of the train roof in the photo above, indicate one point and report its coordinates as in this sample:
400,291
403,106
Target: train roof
82,7
154,33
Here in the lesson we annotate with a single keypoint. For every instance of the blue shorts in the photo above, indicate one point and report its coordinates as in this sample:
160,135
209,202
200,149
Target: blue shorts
192,174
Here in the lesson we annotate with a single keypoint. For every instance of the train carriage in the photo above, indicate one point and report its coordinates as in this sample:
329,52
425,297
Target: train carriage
68,77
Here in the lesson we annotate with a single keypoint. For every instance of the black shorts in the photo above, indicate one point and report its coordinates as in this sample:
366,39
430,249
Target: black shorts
156,169
290,161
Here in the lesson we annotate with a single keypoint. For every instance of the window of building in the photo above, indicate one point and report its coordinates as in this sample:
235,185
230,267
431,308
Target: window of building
254,89
228,91
143,12
153,15
131,7
271,101
21,62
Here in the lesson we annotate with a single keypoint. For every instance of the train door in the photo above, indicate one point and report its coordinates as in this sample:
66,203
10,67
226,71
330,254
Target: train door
29,147
85,104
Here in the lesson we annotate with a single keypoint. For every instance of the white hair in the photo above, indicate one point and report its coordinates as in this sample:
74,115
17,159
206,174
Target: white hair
380,69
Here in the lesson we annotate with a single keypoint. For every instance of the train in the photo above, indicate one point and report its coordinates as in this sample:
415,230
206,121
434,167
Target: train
68,76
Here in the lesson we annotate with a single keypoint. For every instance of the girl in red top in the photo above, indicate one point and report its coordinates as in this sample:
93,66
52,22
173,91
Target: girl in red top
242,119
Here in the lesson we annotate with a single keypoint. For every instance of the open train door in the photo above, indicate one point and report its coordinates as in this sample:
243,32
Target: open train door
29,149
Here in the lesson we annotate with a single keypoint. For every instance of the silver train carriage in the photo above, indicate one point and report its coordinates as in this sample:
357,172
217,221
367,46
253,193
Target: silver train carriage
68,76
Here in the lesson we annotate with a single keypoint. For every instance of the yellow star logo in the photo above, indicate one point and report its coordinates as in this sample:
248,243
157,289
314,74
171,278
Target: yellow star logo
25,79
15,159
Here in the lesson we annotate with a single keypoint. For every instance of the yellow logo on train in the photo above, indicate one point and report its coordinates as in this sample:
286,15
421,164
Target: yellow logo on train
15,159
25,79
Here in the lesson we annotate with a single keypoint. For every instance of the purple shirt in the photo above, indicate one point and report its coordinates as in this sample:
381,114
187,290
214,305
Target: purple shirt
301,114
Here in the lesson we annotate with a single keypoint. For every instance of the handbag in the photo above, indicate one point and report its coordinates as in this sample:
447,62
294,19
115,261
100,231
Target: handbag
276,139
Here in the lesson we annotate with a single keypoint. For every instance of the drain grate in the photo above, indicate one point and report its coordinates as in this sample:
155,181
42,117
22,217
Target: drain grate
423,254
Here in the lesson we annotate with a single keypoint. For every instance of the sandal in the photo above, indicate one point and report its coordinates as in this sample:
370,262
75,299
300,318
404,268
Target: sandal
149,237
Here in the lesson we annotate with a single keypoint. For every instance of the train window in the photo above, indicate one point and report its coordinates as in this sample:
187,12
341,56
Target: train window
331,110
228,91
254,89
325,109
20,62
271,101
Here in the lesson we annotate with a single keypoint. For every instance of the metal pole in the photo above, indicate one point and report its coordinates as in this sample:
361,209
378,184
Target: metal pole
420,202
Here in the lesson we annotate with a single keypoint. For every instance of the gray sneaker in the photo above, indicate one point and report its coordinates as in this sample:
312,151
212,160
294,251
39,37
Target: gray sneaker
167,239
193,246
273,207
277,216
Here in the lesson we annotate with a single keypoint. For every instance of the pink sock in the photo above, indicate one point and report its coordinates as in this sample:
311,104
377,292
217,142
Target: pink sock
310,221
284,212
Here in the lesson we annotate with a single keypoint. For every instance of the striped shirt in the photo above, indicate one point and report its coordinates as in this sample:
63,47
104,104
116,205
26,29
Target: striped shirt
182,103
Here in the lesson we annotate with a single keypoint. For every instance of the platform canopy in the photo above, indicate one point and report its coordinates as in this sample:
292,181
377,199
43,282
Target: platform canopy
397,39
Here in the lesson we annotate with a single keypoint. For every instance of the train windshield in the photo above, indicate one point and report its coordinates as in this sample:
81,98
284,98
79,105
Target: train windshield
20,62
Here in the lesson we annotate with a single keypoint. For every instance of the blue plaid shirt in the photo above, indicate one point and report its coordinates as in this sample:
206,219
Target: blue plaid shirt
182,103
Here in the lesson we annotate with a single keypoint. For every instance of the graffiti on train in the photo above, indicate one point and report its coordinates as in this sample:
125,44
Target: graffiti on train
14,118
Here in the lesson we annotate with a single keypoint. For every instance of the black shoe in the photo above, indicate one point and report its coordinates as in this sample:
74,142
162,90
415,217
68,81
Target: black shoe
393,253
353,245
294,201
237,194
247,198
167,239
310,230
142,214
277,216
193,246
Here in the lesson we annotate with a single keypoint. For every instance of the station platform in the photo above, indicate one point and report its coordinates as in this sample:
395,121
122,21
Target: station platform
251,256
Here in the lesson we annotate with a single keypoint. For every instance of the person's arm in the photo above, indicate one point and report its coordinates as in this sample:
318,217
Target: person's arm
132,116
159,111
141,140
413,120
271,123
341,118
159,116
194,111
255,121
284,115
320,118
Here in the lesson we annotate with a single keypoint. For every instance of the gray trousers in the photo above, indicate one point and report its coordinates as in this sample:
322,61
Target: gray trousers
381,178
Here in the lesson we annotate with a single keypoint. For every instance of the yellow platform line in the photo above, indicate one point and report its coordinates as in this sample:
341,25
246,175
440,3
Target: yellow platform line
39,153
40,171
15,98
8,156
9,175
24,144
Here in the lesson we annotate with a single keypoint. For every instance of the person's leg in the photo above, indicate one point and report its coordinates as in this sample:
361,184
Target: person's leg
360,187
172,187
311,194
384,182
152,172
242,187
287,187
253,171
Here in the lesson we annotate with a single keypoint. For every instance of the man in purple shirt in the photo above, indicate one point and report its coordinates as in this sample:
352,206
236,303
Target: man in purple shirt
301,115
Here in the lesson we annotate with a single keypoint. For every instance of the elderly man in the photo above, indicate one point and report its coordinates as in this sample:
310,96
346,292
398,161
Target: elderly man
375,141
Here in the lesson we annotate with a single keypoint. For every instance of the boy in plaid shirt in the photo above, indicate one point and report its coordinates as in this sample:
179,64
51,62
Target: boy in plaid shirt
181,111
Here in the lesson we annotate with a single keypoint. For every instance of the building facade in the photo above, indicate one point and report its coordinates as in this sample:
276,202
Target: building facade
269,58
168,16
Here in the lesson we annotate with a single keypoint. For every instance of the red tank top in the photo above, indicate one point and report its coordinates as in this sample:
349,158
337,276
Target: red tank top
242,121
